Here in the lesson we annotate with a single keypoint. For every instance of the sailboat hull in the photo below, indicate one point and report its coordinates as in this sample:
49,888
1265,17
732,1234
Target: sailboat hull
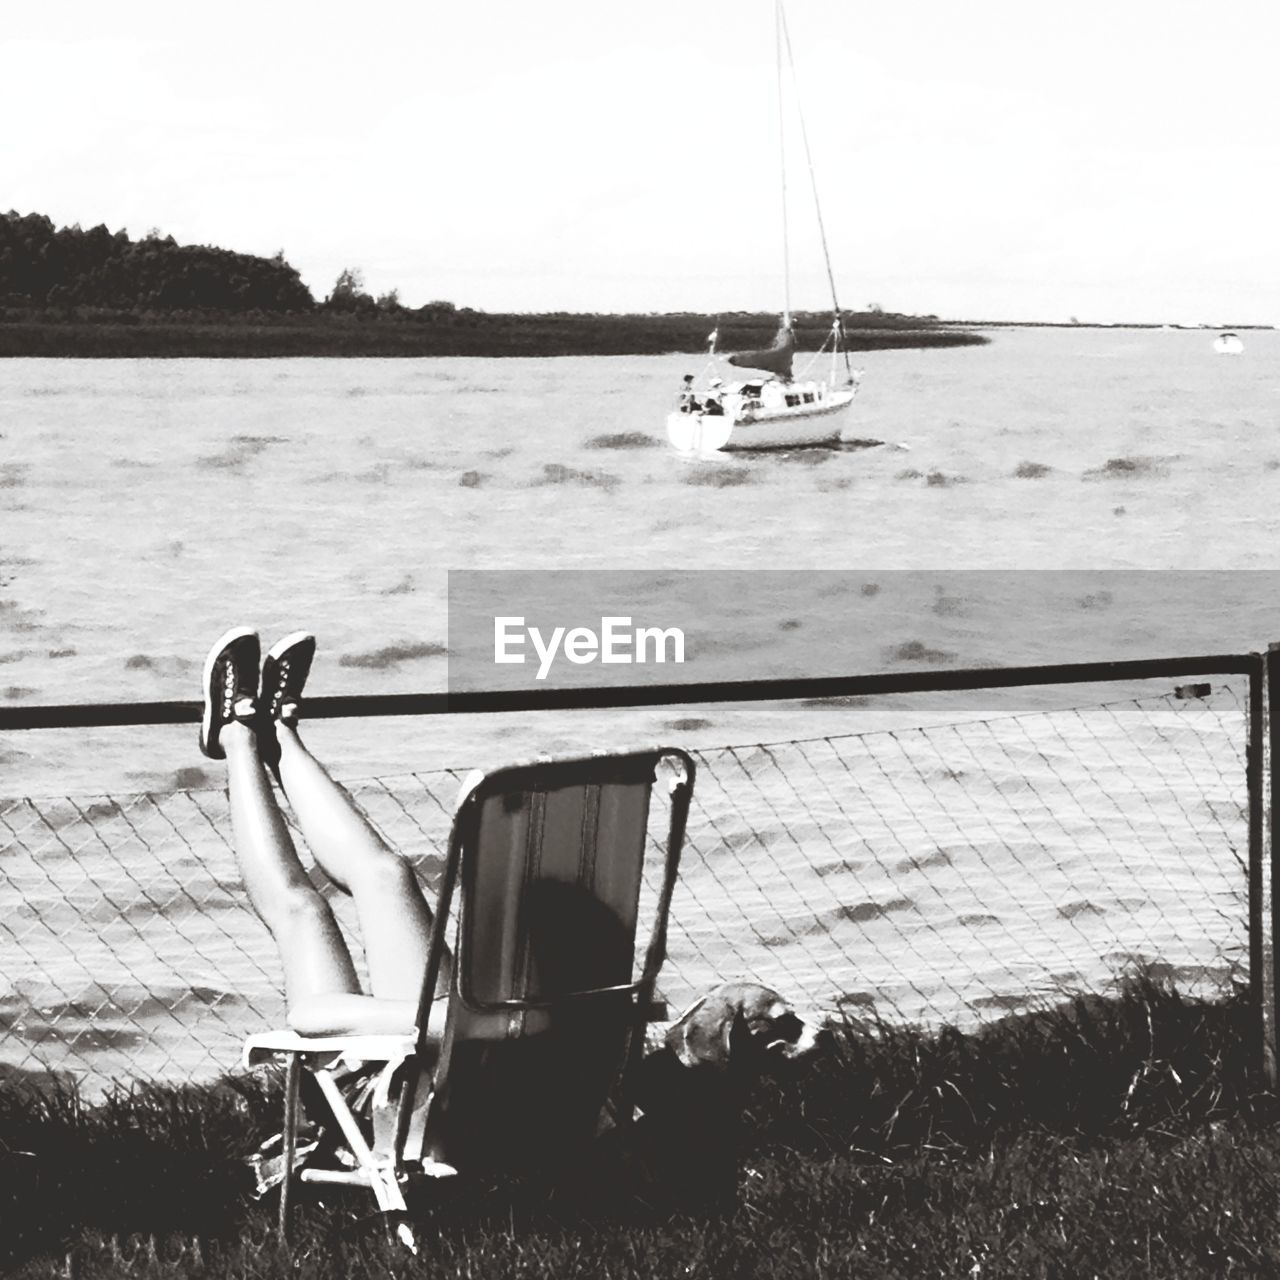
761,427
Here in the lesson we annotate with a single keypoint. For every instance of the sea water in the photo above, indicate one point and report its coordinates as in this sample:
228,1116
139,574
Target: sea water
145,506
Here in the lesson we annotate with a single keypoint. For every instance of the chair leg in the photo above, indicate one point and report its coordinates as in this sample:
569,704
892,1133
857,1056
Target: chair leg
292,1079
379,1172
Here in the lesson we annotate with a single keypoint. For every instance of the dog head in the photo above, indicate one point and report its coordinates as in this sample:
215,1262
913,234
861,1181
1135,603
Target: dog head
739,1024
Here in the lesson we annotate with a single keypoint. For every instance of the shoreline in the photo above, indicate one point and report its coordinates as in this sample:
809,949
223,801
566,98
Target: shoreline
460,333
453,334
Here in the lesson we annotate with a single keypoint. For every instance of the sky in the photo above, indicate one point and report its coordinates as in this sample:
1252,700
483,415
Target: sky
1106,160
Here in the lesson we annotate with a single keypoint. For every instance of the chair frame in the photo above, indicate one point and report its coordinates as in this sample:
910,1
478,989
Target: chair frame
401,1107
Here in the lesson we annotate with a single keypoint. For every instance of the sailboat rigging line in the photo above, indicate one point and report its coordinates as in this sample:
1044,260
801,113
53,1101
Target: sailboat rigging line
784,38
779,23
821,351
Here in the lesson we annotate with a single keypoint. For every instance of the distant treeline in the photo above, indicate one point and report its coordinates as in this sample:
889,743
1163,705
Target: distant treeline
70,292
65,269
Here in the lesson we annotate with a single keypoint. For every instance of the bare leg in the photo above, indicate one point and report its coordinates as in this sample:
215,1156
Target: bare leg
395,921
314,954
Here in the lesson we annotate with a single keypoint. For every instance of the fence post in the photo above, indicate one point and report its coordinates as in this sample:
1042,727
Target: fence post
1257,777
1262,810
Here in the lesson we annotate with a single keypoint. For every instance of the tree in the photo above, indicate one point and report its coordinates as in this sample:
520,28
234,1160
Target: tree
348,293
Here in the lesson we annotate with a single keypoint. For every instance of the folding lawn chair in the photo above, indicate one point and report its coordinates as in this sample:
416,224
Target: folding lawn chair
546,1011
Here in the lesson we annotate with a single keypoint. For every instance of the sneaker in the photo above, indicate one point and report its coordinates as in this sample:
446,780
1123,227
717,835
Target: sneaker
284,672
230,686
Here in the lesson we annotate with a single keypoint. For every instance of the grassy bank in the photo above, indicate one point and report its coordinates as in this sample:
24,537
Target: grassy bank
1126,1136
444,333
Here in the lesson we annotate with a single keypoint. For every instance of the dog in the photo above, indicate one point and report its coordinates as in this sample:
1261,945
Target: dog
738,1026
691,1089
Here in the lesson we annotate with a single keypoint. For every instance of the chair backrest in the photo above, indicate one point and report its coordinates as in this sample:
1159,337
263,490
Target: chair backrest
547,1002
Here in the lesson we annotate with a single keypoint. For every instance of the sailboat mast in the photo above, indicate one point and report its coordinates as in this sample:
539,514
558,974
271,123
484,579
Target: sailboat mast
779,29
784,37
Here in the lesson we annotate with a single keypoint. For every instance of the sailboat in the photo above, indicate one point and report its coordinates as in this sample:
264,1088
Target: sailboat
772,408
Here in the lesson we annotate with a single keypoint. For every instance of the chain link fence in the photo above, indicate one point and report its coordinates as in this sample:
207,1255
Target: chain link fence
935,874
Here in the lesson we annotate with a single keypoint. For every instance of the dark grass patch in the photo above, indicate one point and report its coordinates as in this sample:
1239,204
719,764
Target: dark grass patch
719,477
623,440
1031,470
1147,1058
1128,468
191,777
391,655
938,858
805,456
165,664
1096,600
256,444
932,479
240,450
557,473
858,913
149,1162
945,606
411,463
1112,1137
918,651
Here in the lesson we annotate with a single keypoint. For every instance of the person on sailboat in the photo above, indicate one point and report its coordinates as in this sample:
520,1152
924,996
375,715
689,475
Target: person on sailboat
712,405
688,402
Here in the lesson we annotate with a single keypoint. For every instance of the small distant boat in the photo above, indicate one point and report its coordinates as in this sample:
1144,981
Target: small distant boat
773,410
1228,344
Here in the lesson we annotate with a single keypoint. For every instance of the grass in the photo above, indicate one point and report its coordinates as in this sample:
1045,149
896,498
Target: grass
1111,1137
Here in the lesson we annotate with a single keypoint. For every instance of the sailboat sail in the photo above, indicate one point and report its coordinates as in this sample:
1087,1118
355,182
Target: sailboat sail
775,359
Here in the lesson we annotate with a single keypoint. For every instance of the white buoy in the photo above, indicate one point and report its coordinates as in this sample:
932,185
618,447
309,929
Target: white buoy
1228,344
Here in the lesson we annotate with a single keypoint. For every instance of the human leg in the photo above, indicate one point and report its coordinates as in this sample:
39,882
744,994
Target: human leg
395,920
315,957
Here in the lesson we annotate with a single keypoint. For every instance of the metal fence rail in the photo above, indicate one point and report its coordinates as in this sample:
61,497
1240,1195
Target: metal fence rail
943,873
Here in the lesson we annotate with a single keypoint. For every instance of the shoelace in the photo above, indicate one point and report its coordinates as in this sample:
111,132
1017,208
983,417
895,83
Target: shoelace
235,705
228,690
282,683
